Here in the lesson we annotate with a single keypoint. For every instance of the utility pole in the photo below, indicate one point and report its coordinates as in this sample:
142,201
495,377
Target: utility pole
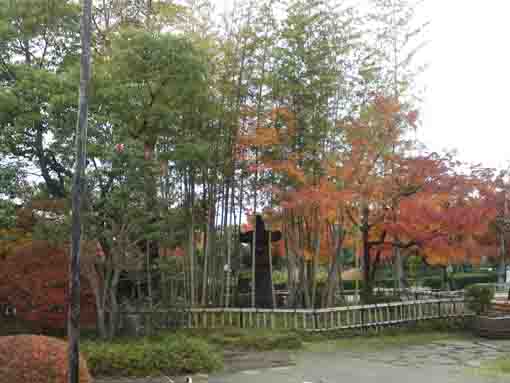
73,322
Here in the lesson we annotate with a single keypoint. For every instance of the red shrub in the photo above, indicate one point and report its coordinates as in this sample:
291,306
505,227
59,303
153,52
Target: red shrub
36,359
34,280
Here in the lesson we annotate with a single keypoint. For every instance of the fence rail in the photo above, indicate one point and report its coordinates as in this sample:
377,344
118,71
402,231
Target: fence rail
338,318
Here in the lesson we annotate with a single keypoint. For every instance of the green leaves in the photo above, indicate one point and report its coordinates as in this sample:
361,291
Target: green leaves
151,80
38,46
44,32
166,355
479,298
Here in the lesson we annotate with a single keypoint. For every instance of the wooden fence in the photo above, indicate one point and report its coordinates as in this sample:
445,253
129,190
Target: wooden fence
338,318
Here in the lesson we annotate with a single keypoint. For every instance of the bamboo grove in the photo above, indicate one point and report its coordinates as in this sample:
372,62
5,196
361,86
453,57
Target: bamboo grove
303,111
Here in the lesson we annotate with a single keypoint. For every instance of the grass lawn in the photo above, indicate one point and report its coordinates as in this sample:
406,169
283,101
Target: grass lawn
392,337
384,341
496,367
250,340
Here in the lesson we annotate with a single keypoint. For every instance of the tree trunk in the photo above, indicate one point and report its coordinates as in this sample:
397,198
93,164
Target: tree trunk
291,274
305,283
228,271
270,250
333,268
77,194
367,285
209,246
191,241
149,272
149,149
446,279
502,260
99,301
399,268
101,322
315,265
253,264
113,320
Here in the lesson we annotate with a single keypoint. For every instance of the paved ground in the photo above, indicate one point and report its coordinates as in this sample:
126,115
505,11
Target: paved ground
438,362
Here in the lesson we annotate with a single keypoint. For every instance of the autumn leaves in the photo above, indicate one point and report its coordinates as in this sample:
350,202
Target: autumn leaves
370,188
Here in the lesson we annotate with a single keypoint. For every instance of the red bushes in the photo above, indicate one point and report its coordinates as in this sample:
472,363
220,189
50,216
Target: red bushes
36,359
34,280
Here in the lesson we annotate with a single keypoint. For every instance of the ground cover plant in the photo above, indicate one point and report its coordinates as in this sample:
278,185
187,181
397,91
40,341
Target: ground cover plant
500,366
380,339
252,340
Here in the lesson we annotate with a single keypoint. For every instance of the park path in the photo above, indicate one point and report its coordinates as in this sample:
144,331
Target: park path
437,362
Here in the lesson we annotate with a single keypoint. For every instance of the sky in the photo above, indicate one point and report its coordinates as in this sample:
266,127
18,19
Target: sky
467,83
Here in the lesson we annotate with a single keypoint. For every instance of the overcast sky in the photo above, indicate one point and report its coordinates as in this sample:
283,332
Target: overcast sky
469,79
468,82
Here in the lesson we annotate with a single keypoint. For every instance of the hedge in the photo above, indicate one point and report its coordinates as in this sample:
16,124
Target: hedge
461,280
158,356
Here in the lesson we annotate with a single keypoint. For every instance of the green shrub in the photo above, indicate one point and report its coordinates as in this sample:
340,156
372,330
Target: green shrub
378,299
259,340
280,277
351,285
435,283
386,283
479,298
166,355
454,325
462,280
278,341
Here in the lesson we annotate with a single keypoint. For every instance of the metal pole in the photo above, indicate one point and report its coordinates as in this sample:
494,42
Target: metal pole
73,322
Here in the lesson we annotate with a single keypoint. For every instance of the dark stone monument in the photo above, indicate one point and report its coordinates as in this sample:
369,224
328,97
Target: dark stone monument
263,291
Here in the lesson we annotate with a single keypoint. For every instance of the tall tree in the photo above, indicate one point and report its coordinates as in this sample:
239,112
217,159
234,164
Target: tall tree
38,53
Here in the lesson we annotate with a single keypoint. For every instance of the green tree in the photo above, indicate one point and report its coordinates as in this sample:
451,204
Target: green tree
38,51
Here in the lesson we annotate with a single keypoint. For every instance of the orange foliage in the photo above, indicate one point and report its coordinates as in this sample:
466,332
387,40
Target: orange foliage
422,201
34,279
262,137
36,359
